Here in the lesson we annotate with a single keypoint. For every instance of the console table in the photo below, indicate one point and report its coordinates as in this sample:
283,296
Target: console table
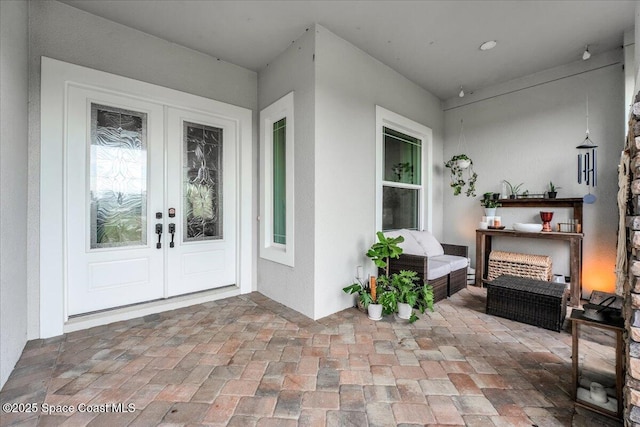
483,248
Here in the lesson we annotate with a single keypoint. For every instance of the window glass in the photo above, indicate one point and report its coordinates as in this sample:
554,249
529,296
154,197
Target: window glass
399,208
402,155
118,177
202,169
280,182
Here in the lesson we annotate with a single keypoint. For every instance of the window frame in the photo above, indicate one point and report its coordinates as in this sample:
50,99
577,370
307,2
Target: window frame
388,119
270,250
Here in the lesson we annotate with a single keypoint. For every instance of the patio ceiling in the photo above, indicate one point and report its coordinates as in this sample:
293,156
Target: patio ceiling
433,43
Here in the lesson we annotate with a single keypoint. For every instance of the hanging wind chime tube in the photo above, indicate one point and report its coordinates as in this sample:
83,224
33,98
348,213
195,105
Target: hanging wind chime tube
587,160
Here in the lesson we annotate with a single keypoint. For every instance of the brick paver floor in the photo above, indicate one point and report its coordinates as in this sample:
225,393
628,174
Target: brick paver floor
249,361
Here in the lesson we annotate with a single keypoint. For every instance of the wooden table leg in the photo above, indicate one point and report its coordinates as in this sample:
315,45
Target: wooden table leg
575,272
483,247
574,359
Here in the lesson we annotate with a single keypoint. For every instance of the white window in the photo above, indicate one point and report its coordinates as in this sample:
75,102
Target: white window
276,189
403,196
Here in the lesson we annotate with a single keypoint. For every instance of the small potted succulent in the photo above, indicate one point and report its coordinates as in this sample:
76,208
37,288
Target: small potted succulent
553,190
513,189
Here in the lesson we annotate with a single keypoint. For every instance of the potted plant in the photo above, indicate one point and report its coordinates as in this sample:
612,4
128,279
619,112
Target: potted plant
363,292
388,298
553,190
383,249
458,164
401,293
404,283
489,204
513,189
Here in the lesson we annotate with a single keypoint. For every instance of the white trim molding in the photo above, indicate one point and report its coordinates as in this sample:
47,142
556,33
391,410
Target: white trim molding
389,119
280,253
56,78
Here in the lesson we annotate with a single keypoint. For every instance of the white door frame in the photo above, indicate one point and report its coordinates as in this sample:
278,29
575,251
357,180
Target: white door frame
56,76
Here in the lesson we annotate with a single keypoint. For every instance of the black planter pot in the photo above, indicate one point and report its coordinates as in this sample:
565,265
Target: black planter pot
552,194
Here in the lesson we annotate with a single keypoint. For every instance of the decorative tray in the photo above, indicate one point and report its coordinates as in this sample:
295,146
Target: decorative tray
491,227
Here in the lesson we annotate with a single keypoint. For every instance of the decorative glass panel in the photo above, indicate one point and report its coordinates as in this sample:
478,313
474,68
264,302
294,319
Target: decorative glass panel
202,182
399,208
402,155
280,182
118,177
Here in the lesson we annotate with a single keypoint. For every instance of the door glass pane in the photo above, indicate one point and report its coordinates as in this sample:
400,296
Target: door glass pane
202,182
402,157
279,182
399,208
118,177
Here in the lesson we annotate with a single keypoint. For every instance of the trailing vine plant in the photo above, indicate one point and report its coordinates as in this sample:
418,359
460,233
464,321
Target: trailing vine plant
459,179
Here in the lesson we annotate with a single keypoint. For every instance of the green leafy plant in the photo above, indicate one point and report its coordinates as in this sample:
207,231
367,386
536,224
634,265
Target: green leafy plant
458,178
409,291
488,201
404,282
389,301
553,188
362,289
383,249
425,298
513,189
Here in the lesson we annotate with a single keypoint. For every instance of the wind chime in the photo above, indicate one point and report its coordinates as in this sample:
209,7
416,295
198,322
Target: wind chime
588,162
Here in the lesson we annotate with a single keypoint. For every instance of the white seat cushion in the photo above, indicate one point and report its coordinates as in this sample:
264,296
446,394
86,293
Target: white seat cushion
456,262
430,244
437,269
410,245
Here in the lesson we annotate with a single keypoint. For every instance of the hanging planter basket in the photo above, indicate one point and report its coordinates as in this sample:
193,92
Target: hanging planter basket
462,175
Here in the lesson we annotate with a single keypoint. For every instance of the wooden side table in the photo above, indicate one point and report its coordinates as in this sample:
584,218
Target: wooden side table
581,395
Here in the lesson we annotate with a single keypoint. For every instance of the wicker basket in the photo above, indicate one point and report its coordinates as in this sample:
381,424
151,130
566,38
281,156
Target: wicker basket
520,265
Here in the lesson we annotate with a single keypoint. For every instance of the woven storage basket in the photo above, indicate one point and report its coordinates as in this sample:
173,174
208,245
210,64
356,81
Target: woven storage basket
520,265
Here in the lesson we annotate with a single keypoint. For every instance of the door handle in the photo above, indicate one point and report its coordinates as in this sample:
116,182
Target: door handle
159,233
172,230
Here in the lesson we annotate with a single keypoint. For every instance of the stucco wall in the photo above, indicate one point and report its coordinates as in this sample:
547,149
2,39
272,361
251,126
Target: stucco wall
13,183
293,70
526,131
62,32
349,85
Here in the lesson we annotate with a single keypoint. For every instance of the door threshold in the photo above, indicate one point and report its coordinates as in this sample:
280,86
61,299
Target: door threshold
104,317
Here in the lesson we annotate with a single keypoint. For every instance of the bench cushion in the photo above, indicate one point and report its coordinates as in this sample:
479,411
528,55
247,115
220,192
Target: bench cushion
456,262
437,269
410,246
430,244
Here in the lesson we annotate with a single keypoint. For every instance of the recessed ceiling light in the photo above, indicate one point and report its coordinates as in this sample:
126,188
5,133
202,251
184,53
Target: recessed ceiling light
488,45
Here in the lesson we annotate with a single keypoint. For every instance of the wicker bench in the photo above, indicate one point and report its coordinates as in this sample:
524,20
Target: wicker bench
525,300
443,266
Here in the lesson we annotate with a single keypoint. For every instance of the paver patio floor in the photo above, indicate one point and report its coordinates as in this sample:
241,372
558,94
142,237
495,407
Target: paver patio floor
249,361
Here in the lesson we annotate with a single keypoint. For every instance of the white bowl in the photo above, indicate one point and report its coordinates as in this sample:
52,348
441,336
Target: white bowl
528,227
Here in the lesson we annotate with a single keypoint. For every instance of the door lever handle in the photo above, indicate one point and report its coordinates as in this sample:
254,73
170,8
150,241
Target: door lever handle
159,233
172,230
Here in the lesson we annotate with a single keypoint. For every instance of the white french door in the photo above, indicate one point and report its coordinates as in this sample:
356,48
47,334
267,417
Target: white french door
201,167
150,200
